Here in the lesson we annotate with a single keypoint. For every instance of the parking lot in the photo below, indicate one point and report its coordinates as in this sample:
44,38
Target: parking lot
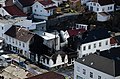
15,71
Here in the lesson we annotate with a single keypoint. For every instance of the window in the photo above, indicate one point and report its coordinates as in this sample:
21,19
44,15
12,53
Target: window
19,43
43,60
2,34
16,42
99,44
91,3
99,77
23,45
6,37
91,75
78,68
79,47
47,61
12,40
76,26
78,77
103,9
9,39
42,27
2,28
94,4
35,10
84,71
56,41
97,9
110,7
106,42
28,28
94,45
84,48
36,6
89,47
91,8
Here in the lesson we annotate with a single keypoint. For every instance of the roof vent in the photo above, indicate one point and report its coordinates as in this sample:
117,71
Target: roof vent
91,63
83,60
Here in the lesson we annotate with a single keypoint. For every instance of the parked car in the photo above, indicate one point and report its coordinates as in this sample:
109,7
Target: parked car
1,51
6,58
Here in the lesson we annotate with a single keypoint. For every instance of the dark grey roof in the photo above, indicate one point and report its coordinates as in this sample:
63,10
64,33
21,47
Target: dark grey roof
118,39
19,33
104,2
26,3
117,2
113,53
100,63
53,55
89,36
95,34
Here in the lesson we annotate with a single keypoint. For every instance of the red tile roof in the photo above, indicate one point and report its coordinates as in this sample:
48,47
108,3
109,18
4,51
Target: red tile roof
113,41
46,2
14,11
74,32
48,75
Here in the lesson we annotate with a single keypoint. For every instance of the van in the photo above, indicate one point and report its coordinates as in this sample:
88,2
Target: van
6,58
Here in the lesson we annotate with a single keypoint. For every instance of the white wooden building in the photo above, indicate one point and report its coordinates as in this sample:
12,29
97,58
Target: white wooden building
96,67
18,39
100,5
96,39
43,9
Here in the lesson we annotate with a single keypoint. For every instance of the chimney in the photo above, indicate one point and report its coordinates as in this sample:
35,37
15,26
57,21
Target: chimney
113,34
92,27
80,35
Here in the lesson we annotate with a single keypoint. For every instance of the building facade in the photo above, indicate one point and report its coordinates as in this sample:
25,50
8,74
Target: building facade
18,39
43,9
93,67
92,47
98,7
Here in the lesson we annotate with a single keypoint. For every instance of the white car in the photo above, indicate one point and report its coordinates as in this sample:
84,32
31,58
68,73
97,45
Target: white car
6,58
1,51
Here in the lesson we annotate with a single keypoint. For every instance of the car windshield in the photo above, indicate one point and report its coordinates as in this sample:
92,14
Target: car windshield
8,59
